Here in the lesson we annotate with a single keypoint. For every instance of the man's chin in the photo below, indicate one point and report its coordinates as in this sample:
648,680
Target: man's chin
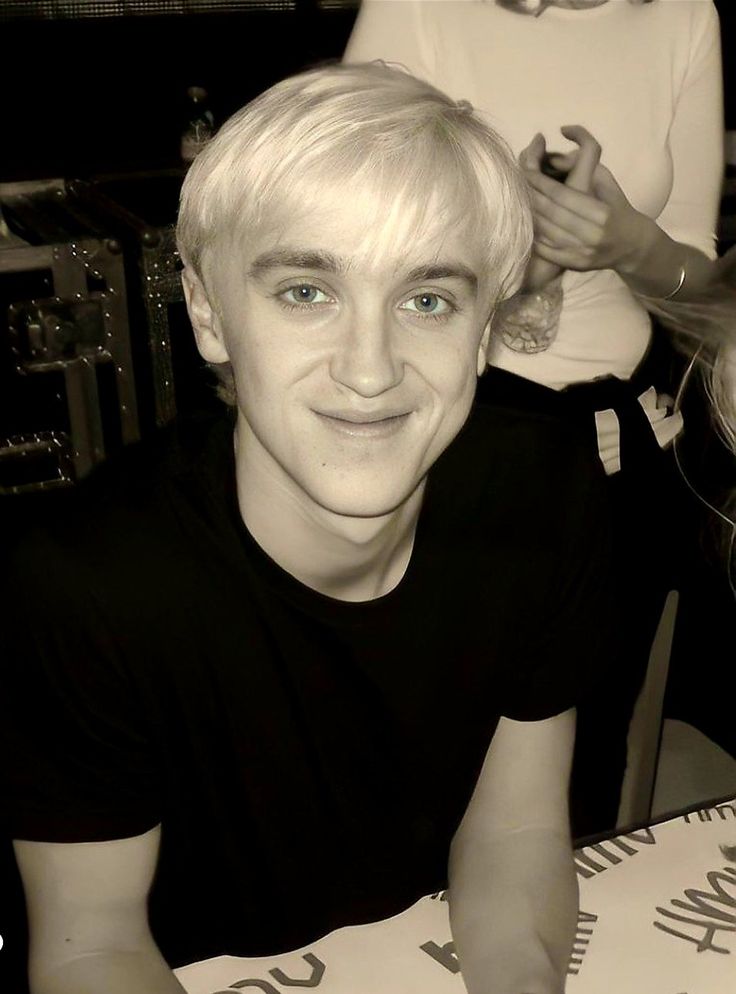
365,510
364,505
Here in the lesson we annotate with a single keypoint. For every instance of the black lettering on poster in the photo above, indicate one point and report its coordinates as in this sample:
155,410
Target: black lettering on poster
724,811
582,938
710,909
599,857
314,979
260,985
444,955
645,837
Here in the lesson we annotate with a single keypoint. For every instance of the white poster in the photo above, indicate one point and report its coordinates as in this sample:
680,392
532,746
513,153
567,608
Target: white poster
658,916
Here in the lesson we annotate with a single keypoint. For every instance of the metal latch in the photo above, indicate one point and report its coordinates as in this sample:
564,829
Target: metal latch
49,334
35,462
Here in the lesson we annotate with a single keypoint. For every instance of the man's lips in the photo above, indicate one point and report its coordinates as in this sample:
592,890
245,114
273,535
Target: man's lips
358,424
364,417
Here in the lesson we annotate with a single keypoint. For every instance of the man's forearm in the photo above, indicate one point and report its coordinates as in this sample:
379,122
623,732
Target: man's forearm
114,972
513,911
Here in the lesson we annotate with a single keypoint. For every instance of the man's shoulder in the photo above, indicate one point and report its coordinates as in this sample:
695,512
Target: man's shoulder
515,446
179,452
529,478
121,514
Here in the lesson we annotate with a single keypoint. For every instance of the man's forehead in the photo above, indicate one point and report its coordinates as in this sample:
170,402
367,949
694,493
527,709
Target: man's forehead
345,230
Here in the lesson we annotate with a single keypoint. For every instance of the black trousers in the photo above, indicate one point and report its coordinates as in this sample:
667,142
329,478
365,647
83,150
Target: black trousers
642,510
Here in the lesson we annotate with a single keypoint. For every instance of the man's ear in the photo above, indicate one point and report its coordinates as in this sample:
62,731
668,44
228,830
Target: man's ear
483,347
205,319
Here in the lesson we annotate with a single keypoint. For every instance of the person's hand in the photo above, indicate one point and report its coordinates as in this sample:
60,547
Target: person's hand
585,229
580,167
579,164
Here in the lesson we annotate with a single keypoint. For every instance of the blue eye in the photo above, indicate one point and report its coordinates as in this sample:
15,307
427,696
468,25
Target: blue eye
430,304
304,293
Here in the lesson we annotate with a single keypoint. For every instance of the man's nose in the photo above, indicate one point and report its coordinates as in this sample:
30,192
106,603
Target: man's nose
367,359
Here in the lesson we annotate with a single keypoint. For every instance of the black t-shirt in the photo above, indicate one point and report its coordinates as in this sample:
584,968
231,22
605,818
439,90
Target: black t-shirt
309,759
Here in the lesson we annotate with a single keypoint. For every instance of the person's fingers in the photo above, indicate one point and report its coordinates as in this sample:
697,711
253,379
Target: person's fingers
585,222
564,258
539,273
564,161
576,235
531,156
548,195
580,176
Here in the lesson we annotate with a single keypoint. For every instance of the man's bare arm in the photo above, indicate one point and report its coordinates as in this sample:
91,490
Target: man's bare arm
513,889
88,919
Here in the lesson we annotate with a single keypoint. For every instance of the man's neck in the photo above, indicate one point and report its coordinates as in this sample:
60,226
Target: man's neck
348,558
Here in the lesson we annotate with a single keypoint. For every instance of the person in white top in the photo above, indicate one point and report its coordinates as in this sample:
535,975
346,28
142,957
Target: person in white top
623,99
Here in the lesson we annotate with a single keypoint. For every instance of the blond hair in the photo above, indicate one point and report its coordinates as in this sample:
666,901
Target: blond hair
707,323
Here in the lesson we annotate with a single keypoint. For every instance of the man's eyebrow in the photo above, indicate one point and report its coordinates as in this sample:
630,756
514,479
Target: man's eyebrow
443,270
295,259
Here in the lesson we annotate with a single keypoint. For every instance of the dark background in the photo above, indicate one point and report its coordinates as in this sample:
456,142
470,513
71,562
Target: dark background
105,95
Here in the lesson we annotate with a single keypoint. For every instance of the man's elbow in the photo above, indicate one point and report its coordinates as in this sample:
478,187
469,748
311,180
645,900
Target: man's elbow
113,970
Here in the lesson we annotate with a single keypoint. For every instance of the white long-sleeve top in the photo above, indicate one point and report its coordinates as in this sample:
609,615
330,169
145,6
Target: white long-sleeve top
645,80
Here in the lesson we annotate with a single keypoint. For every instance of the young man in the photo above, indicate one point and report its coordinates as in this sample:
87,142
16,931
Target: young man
286,672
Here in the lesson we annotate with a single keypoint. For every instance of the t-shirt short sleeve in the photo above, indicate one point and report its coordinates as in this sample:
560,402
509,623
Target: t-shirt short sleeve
569,619
76,760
